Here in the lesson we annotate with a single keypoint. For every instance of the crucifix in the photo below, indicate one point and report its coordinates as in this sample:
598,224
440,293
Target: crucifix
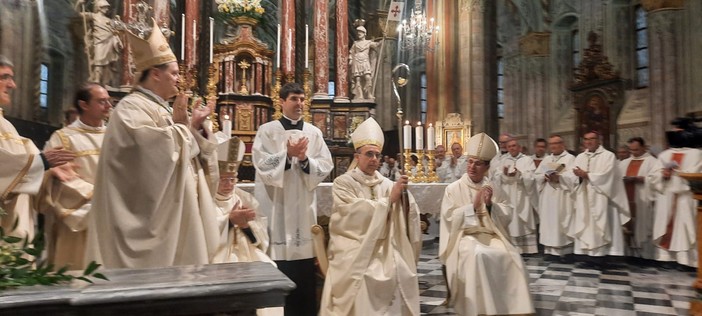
243,65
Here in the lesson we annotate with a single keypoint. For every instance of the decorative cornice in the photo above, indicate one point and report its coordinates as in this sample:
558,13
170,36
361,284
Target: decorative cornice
653,5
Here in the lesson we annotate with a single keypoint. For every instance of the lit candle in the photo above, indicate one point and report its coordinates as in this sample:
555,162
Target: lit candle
194,40
227,126
307,45
288,60
211,38
277,51
407,137
431,138
182,37
419,140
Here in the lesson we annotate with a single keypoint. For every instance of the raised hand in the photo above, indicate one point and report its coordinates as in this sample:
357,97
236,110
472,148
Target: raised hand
180,109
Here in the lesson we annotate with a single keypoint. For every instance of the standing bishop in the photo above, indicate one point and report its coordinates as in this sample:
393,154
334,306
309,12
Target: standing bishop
153,205
374,240
485,273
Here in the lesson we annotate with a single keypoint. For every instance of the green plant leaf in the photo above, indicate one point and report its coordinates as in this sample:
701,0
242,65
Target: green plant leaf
92,266
100,276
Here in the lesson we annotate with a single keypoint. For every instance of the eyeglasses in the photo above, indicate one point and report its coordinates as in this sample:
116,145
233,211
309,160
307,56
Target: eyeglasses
6,77
372,155
104,102
590,138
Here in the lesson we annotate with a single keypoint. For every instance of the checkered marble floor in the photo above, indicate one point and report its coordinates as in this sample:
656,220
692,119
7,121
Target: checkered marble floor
565,289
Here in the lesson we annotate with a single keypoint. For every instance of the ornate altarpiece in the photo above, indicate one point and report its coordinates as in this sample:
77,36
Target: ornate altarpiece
598,95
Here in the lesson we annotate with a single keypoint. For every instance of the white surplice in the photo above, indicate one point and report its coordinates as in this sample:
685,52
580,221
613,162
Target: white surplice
601,207
486,275
373,250
521,193
154,202
556,205
66,204
21,175
642,242
676,207
287,197
448,173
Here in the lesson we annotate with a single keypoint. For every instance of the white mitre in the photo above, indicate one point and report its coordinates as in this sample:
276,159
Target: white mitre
482,147
230,153
368,133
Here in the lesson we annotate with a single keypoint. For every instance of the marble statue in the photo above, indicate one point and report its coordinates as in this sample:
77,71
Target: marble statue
102,41
362,62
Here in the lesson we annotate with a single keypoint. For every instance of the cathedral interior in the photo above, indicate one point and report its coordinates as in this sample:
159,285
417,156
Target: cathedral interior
529,68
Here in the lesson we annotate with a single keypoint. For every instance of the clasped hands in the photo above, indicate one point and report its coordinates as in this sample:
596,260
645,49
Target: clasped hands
505,170
298,149
580,173
199,113
483,197
241,216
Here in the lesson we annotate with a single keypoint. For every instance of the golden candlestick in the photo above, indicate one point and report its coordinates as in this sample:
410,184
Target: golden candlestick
308,92
243,65
431,175
408,167
290,77
420,167
277,114
212,81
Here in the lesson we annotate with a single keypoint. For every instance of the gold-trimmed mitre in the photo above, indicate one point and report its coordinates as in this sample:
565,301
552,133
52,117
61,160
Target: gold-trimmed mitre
229,154
481,146
368,133
152,51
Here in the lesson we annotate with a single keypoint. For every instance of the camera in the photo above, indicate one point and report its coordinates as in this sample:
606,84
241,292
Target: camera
686,133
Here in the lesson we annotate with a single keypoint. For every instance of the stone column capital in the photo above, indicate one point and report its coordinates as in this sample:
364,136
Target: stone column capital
654,5
535,44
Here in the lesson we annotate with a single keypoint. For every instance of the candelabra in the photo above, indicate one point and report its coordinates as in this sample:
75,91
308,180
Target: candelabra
431,176
418,33
308,92
290,77
419,176
212,80
277,114
407,167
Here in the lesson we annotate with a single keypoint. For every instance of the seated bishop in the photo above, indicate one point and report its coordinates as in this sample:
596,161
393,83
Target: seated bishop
485,273
374,241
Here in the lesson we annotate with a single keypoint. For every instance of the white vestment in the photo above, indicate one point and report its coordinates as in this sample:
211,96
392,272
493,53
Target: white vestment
154,202
373,250
675,221
521,193
556,205
601,207
288,197
66,204
21,175
641,206
236,245
486,274
448,173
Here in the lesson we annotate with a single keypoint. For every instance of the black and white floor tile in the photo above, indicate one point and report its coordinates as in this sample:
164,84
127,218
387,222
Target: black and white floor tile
565,289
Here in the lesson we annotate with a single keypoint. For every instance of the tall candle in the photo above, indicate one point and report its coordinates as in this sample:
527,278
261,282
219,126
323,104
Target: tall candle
182,37
307,46
194,40
407,137
288,60
227,126
211,38
277,51
419,140
431,138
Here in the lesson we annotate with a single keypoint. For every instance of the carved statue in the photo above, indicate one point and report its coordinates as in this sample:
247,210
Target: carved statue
102,41
361,61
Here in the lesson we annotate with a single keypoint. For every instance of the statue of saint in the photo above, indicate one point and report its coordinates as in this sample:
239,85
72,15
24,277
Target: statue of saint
103,42
362,66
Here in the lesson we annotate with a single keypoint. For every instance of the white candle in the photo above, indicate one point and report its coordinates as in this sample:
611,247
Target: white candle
182,37
419,140
307,46
277,51
227,126
211,38
431,138
407,136
288,60
194,40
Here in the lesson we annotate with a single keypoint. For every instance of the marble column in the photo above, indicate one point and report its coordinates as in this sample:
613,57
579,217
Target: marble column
342,52
127,75
161,11
192,14
320,36
665,65
259,76
287,44
477,74
535,48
